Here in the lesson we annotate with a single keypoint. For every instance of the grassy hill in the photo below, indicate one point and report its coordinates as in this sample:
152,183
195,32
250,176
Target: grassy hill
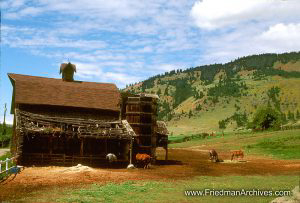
198,98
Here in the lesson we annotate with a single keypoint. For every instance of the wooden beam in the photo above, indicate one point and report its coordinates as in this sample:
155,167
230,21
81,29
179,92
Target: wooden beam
81,147
105,146
50,146
166,153
130,156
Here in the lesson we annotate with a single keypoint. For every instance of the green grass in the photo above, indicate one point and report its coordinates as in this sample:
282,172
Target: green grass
5,138
3,158
184,138
285,147
6,155
276,144
126,192
155,191
218,139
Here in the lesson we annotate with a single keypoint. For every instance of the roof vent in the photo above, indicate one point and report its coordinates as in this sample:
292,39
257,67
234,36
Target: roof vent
67,70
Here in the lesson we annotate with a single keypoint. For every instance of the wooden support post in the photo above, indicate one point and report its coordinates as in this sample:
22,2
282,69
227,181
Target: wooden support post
130,156
166,148
105,145
50,144
81,147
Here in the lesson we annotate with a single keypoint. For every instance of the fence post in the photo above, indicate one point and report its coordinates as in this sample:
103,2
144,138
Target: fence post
0,166
6,167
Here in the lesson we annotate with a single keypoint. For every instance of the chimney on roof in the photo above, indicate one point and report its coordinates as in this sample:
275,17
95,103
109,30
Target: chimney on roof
67,70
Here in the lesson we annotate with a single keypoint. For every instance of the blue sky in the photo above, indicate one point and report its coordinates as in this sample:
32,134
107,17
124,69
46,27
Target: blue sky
126,41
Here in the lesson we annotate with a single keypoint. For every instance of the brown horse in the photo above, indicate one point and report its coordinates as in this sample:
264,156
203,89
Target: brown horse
237,154
143,159
213,155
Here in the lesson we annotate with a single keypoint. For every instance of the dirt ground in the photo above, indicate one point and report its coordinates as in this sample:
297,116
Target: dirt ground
183,164
3,151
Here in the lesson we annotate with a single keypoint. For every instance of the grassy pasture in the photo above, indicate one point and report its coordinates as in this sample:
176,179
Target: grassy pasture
155,191
276,144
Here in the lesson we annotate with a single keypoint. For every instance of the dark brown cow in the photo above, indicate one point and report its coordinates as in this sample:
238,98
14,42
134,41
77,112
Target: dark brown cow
236,153
213,155
143,159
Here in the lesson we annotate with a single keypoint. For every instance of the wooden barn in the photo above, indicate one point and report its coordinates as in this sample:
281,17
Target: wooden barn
162,134
141,111
63,121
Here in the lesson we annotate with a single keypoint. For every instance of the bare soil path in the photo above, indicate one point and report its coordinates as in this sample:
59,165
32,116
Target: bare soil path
3,151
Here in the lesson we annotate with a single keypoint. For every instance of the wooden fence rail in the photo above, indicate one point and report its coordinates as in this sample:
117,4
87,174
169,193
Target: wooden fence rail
6,162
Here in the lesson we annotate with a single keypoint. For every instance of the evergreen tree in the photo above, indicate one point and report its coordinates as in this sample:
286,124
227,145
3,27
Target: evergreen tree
298,114
4,123
190,114
291,116
266,118
158,92
222,124
166,91
198,108
283,118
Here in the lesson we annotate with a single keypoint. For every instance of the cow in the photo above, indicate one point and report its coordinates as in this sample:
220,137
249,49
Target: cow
111,158
143,159
213,155
236,153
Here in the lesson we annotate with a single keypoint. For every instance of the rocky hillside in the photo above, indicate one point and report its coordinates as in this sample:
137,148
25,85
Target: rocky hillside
225,96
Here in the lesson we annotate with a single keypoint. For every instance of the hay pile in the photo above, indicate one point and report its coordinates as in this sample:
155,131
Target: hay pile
78,168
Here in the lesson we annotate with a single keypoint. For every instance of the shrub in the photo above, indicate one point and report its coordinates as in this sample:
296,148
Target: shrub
266,118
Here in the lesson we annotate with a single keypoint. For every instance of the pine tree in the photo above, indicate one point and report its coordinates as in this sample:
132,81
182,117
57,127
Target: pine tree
298,114
190,114
291,116
283,118
222,124
158,92
166,91
4,124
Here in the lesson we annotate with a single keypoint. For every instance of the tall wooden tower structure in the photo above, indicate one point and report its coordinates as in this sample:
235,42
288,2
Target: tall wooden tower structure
141,113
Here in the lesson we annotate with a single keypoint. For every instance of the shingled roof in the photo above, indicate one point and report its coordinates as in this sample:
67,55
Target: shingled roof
50,91
162,128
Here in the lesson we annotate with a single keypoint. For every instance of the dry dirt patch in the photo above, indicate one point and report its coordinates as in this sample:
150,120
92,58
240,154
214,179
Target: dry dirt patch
3,151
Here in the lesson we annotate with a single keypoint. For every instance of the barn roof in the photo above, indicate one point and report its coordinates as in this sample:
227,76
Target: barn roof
50,91
162,128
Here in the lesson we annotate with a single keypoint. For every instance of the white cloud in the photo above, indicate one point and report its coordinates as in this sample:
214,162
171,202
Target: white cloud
289,32
281,37
212,14
165,67
96,72
12,4
276,38
9,119
85,70
144,38
22,37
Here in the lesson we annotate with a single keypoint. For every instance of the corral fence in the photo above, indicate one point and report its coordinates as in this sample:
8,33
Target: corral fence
6,164
7,167
290,127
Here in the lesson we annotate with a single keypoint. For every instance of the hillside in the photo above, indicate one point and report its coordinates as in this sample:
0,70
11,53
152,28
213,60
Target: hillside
205,98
